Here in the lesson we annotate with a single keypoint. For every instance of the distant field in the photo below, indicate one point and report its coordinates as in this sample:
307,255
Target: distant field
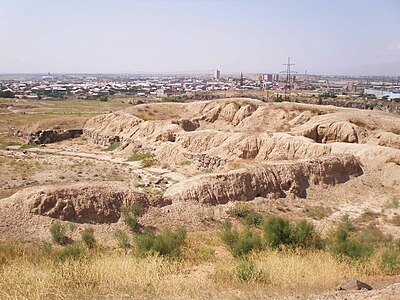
23,113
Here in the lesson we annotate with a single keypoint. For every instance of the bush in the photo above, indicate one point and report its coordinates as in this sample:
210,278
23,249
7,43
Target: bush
246,270
166,243
305,235
389,261
113,146
353,249
253,218
148,162
277,232
122,240
88,237
58,233
346,244
140,155
240,210
75,251
240,243
130,215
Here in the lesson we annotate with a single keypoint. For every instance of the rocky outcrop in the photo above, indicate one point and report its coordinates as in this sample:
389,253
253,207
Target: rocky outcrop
45,136
259,181
386,139
332,132
105,129
85,203
206,161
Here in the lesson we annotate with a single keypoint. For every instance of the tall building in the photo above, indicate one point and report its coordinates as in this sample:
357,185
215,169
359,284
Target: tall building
217,75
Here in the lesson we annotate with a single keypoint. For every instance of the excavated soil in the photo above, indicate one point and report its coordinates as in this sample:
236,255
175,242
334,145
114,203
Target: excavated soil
282,157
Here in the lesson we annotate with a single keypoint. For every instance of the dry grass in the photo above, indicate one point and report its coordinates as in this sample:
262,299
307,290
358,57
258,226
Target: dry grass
49,113
205,271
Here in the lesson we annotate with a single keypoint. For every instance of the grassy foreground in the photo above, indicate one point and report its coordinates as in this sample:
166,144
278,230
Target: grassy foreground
204,269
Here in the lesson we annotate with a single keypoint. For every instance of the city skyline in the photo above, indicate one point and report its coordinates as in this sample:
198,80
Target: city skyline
330,37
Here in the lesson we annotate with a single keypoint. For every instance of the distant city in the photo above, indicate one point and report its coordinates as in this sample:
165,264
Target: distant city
103,86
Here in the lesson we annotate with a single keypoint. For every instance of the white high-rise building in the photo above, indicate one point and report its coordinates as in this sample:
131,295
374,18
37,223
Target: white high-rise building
217,75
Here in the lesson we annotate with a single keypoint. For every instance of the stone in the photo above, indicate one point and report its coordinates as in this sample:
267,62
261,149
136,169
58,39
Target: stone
353,285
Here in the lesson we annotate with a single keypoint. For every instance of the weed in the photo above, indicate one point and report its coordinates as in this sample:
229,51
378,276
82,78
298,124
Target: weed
317,213
88,238
28,146
253,218
74,251
148,162
277,232
130,215
140,155
186,163
246,270
166,243
122,240
304,235
8,144
240,210
113,146
240,243
389,261
58,233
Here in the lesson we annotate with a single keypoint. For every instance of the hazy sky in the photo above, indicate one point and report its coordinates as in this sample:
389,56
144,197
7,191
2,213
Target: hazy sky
324,36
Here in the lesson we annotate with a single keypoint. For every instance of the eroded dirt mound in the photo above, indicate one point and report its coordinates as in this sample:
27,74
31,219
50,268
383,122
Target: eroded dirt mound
84,202
234,129
259,181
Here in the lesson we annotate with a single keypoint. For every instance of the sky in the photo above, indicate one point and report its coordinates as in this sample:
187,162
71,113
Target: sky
351,37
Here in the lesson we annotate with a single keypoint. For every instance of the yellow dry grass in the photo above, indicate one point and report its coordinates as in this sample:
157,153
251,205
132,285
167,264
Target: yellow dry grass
108,273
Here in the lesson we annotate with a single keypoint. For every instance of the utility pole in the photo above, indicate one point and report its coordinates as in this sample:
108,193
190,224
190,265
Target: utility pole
288,73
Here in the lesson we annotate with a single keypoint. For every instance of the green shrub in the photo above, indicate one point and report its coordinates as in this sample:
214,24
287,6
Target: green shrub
113,146
88,238
122,240
166,243
277,231
130,215
304,235
246,270
353,249
253,218
58,233
389,262
28,146
240,243
74,251
140,155
240,210
148,162
344,243
11,250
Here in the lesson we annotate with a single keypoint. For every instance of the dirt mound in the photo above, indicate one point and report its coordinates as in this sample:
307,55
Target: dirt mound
258,181
84,202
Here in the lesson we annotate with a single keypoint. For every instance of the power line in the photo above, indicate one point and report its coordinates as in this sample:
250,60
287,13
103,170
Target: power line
289,73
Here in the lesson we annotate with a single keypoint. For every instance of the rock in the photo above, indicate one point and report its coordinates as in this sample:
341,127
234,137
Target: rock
353,285
161,181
